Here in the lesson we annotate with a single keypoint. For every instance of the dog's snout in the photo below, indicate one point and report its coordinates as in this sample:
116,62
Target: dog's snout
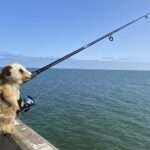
28,76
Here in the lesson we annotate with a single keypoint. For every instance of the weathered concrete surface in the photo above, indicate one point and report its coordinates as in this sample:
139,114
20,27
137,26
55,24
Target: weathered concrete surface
25,139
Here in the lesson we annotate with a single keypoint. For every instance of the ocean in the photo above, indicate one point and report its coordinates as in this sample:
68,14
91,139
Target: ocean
91,109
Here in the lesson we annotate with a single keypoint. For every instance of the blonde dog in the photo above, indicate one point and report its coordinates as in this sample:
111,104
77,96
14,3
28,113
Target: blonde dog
11,77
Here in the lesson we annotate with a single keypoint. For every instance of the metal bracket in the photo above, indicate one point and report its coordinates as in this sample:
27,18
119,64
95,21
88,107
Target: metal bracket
111,38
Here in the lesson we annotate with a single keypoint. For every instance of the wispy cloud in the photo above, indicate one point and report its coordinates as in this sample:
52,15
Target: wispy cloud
103,63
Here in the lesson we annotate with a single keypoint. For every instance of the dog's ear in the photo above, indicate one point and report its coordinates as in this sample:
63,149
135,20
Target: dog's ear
6,71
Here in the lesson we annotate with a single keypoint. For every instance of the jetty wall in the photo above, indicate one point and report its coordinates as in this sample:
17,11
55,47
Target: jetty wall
25,138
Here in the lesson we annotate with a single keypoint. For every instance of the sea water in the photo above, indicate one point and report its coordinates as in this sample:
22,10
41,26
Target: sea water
91,109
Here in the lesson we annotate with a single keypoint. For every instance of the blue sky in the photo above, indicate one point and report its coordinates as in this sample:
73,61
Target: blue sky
52,28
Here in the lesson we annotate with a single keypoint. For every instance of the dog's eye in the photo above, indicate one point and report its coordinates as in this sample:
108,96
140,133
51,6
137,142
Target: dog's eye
21,71
6,71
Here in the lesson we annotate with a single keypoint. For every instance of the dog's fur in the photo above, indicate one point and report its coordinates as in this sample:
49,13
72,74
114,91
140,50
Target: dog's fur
11,77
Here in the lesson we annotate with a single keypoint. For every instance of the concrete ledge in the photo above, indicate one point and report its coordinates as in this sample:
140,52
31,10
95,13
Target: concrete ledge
25,139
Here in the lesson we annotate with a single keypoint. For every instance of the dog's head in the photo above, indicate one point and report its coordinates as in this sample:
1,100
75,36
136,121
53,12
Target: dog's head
16,73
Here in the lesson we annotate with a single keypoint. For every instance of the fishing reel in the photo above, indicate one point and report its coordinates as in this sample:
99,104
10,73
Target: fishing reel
25,103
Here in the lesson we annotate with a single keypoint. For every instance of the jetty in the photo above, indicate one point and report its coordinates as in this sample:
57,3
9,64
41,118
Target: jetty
25,138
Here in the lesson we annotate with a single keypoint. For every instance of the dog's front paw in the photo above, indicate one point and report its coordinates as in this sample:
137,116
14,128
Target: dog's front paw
8,130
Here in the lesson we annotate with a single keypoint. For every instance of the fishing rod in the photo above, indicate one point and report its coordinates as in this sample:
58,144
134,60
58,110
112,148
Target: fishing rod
25,103
107,35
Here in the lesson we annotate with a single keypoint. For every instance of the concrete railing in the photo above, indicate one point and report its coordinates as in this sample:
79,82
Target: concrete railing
24,139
